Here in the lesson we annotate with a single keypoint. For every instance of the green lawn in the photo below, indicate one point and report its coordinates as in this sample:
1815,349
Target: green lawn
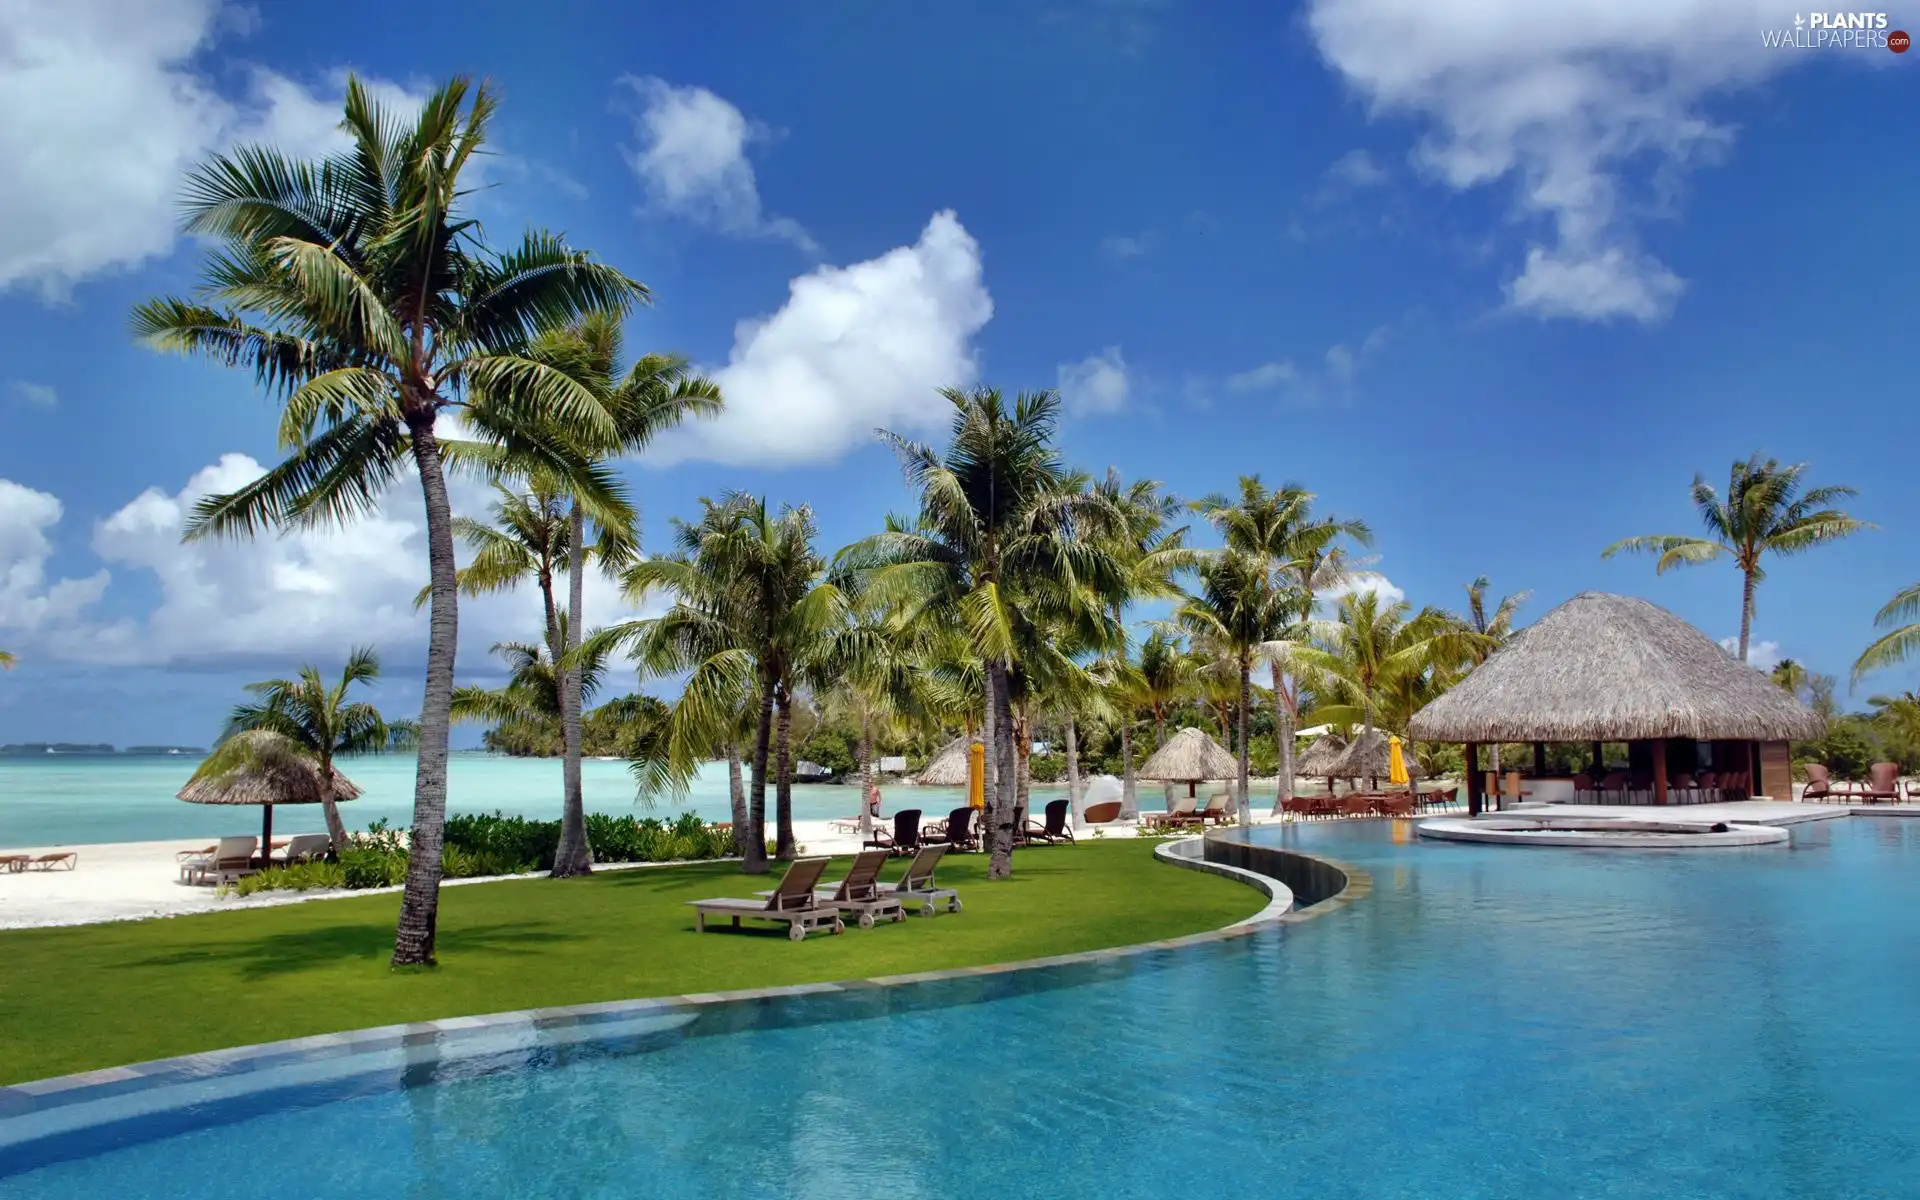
92,996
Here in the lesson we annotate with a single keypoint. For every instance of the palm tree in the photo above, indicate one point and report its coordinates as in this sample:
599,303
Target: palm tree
1489,632
307,719
1305,555
1791,677
1150,553
1899,618
869,669
753,608
1367,651
1237,609
655,393
7,661
996,514
1161,679
1764,512
357,291
1900,715
533,691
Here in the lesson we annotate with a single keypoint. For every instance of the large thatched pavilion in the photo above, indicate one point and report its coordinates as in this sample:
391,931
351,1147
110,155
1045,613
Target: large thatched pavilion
1603,668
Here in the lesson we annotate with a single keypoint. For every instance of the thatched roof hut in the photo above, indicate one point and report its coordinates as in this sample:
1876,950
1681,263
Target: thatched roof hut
268,776
1614,668
949,767
1370,757
1315,760
1190,756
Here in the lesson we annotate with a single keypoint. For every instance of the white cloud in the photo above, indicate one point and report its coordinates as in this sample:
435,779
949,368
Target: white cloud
1362,582
853,348
103,107
1264,377
1356,169
34,395
301,595
1762,656
1341,365
1121,247
1571,99
692,158
1095,385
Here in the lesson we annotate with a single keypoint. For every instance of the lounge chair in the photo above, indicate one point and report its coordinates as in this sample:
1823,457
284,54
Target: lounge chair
65,860
14,863
231,859
1056,828
905,838
956,831
1356,804
1398,804
1819,784
792,904
917,890
1219,809
1883,784
304,847
1181,813
859,892
1104,813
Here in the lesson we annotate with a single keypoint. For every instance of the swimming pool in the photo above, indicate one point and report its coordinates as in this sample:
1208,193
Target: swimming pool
1489,1022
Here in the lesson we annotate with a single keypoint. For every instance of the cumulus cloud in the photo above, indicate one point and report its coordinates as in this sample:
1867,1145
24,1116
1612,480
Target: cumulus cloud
1121,247
1570,100
103,107
33,395
692,158
1095,385
1356,169
1762,656
853,348
1363,582
275,599
1340,365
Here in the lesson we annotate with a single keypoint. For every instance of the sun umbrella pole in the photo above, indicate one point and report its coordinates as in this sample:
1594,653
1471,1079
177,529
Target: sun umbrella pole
266,834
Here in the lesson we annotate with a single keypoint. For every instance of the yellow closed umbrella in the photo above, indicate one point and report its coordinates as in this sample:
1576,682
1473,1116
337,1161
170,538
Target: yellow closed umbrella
976,776
1396,763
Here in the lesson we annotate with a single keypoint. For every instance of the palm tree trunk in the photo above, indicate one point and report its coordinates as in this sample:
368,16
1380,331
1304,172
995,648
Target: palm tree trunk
1023,754
1159,740
336,828
783,781
737,794
1746,613
1246,704
1000,800
1283,739
413,939
1073,762
1129,782
574,856
1366,734
754,861
866,775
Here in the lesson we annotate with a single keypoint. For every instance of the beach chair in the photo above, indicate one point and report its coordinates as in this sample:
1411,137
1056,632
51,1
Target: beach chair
917,890
305,847
1102,814
859,892
905,838
1819,784
793,904
1180,814
1356,804
1883,783
1398,804
1219,809
231,858
65,860
1055,829
14,863
956,831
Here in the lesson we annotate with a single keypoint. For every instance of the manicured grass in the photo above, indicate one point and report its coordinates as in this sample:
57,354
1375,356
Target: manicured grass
74,999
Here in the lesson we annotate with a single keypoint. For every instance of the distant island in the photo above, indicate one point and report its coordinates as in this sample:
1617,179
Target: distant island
30,749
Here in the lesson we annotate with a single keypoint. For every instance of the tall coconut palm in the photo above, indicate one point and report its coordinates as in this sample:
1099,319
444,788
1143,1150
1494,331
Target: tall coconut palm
1900,617
1790,677
310,720
1489,631
1764,512
1150,553
868,670
1238,609
357,291
1368,649
532,693
655,393
759,608
995,512
1900,715
1305,553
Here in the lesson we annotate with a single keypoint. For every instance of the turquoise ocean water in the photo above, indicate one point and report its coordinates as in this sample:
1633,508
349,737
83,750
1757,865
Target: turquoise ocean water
81,799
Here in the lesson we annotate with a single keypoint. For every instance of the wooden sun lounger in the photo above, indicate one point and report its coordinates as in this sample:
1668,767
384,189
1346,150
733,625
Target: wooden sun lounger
916,889
52,862
228,861
792,904
859,893
15,862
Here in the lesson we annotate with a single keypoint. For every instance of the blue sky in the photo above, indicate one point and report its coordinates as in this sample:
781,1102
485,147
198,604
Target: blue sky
1498,278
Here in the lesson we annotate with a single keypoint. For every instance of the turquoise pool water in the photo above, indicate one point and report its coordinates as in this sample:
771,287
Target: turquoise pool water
1490,1022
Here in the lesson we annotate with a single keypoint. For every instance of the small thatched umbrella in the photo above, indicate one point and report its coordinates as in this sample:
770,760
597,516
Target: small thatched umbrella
262,768
1190,757
949,767
1368,758
1318,759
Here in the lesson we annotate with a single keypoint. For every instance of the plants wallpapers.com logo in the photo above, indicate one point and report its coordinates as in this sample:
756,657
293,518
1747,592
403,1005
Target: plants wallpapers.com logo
1839,31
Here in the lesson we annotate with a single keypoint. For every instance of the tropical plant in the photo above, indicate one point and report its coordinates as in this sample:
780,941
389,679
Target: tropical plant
868,670
303,718
532,692
1369,648
1764,512
1305,556
1900,617
1791,678
356,291
1899,715
1150,553
996,514
1237,609
1488,632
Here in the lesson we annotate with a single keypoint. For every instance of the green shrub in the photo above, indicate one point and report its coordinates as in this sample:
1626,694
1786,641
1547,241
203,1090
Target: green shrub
300,877
373,867
510,840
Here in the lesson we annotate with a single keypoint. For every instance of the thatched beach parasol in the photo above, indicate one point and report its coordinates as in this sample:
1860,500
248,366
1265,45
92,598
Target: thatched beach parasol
1316,760
262,768
1615,669
1369,758
949,767
1190,757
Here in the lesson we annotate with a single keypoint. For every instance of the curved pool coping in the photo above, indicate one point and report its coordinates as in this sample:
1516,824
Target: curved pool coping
1735,835
73,1116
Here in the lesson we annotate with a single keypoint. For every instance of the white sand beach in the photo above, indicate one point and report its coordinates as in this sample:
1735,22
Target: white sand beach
131,881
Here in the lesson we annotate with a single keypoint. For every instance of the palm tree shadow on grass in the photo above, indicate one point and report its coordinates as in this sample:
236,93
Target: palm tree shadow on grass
295,951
